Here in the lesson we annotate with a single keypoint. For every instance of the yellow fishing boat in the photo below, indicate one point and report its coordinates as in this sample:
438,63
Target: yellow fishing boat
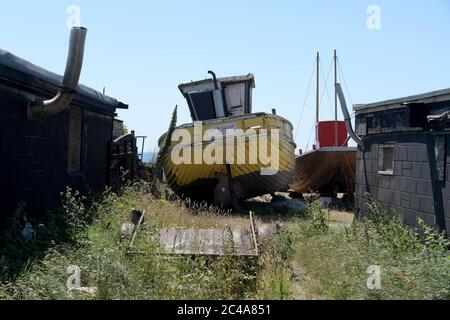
228,153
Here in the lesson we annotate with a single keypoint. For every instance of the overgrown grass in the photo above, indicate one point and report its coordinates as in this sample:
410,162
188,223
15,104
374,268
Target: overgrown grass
65,225
333,261
414,265
87,235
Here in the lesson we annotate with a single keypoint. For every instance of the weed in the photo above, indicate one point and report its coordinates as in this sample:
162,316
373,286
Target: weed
88,236
318,217
413,265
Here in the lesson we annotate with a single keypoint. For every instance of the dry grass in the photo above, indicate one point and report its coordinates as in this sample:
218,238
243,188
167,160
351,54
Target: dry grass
181,213
303,259
334,264
340,216
100,253
177,214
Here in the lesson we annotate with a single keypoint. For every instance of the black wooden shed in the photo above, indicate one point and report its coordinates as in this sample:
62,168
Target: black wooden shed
404,161
40,157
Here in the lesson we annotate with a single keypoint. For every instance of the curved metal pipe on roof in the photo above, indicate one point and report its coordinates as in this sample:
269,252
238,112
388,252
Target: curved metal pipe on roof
67,91
216,84
348,121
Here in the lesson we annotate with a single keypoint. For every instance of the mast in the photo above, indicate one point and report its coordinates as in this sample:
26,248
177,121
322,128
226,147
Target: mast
336,126
318,89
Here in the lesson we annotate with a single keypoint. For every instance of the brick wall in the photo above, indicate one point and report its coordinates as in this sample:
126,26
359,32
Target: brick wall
414,190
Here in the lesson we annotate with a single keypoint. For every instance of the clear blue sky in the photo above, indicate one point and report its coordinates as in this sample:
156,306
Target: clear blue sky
142,50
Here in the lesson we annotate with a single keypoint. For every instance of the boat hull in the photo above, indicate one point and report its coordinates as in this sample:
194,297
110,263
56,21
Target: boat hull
245,177
326,171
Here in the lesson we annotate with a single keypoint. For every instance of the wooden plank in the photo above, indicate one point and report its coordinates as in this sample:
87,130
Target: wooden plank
253,229
178,247
208,247
246,242
237,241
201,241
163,234
205,241
170,241
191,241
218,242
141,220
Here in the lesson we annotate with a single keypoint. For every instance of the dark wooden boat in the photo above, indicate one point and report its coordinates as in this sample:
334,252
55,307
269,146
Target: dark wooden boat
327,171
330,168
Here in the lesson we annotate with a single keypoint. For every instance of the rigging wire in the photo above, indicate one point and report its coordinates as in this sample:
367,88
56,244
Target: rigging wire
326,86
309,138
341,77
341,72
306,101
325,89
345,82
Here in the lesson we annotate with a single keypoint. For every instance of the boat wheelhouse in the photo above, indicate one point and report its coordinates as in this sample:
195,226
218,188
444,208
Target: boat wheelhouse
217,98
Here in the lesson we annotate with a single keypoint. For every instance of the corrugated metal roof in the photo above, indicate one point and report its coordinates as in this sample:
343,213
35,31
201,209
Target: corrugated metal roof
429,97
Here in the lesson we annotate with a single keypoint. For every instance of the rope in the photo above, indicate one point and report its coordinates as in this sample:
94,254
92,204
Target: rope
345,82
341,74
309,138
306,101
326,86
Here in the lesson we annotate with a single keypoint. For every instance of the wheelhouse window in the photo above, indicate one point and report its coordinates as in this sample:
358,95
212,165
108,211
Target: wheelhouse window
386,160
202,104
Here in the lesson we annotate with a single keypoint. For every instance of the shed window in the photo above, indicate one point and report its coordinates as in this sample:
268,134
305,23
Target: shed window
386,160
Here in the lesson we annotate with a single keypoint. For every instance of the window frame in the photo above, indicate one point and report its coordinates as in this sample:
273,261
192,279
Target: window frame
381,161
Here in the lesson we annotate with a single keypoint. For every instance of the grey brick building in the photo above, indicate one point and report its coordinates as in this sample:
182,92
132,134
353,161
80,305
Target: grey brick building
404,162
